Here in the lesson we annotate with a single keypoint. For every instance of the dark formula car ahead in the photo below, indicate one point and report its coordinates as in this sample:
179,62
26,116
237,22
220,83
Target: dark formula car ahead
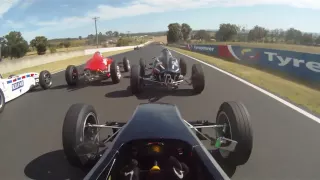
157,143
167,71
137,48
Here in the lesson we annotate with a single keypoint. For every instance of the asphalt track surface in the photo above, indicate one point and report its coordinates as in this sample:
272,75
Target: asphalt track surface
286,143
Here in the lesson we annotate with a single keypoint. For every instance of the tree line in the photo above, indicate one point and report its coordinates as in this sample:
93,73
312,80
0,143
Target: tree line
235,33
13,45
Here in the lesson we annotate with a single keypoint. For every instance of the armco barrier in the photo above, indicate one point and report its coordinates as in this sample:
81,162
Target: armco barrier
304,66
91,51
27,62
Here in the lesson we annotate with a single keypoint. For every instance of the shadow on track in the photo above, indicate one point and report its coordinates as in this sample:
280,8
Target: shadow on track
81,85
52,166
37,89
153,94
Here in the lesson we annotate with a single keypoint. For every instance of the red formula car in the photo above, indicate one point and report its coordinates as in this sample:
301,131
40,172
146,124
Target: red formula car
97,68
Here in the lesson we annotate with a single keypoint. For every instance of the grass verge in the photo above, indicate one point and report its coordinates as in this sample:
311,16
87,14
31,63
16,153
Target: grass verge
297,93
61,65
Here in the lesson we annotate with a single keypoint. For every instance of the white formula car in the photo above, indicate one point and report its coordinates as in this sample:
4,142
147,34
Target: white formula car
16,85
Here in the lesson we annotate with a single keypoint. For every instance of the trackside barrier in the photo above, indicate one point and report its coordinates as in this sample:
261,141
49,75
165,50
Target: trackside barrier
91,51
27,62
299,65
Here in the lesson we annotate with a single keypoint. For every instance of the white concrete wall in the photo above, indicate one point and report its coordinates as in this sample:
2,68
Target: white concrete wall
26,62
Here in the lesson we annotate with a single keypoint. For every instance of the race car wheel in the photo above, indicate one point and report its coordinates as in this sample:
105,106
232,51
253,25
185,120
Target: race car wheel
72,75
2,101
80,143
142,64
126,64
197,78
183,67
238,128
136,80
115,72
45,79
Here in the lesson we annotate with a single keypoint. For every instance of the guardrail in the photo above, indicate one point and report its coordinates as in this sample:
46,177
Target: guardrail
91,51
305,66
27,62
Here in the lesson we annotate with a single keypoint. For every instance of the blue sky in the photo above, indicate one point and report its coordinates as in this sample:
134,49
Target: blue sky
73,18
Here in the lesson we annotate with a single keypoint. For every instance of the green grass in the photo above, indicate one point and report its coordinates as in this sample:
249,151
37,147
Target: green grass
297,93
60,65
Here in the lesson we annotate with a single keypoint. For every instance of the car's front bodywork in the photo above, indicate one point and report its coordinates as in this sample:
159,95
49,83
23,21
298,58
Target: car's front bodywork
156,121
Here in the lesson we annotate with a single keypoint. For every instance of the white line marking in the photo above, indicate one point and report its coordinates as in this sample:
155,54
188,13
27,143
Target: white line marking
311,116
56,72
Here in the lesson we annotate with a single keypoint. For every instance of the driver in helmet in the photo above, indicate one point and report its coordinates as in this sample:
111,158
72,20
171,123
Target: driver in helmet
175,170
159,65
99,57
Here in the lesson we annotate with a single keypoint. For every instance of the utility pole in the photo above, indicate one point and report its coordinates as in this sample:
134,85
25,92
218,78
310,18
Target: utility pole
95,24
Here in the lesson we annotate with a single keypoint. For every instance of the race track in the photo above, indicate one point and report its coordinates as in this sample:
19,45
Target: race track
286,143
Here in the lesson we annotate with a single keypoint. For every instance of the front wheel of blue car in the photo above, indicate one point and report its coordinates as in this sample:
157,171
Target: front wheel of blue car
237,123
80,141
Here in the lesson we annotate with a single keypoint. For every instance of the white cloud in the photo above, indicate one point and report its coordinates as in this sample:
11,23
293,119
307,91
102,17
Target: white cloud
140,7
14,25
56,26
5,5
26,3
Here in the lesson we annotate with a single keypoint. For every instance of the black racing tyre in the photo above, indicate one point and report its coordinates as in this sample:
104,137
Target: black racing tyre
142,64
74,133
115,72
136,80
2,101
183,67
126,64
197,78
72,75
236,117
45,79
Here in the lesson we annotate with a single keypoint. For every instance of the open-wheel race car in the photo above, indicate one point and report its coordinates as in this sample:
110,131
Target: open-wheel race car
16,85
157,143
137,48
167,71
97,68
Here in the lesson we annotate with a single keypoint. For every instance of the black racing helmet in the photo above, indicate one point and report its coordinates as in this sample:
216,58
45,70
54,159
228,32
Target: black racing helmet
166,52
